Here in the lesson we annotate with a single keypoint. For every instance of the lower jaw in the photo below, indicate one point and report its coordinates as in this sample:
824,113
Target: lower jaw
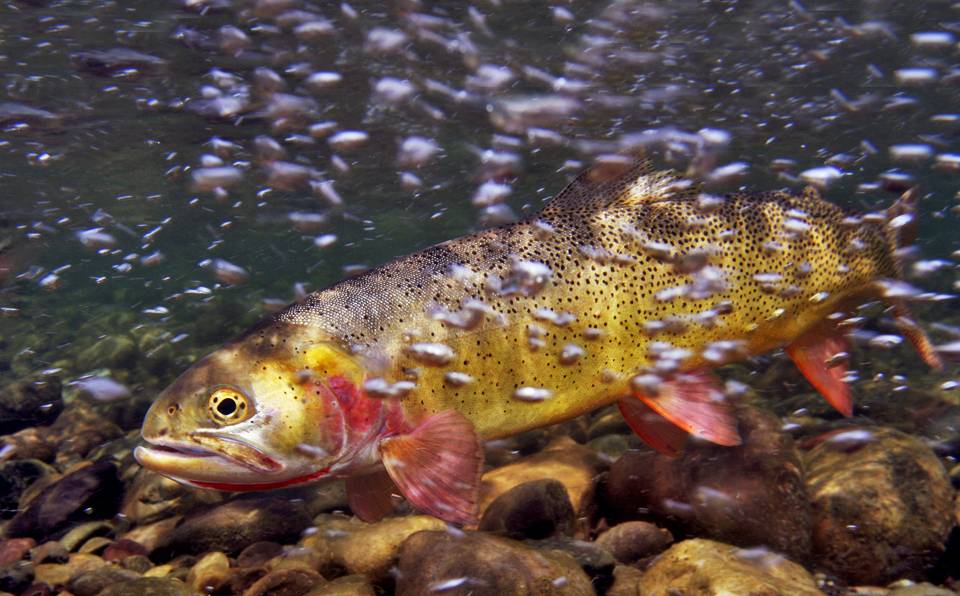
258,486
191,470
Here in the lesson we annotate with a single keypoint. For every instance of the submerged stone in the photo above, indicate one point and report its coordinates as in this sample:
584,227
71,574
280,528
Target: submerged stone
882,505
234,525
749,495
634,541
96,580
706,567
576,467
595,561
482,565
151,497
15,477
362,548
90,492
16,576
148,586
30,402
14,549
348,585
535,509
285,582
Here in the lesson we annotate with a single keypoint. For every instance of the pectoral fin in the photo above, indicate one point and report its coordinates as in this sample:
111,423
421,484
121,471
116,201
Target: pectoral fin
369,495
437,466
813,354
655,430
695,402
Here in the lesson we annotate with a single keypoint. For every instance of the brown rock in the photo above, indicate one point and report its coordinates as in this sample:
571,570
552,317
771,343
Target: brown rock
612,447
258,553
243,578
78,430
29,402
481,565
707,567
71,437
596,562
14,549
326,497
51,551
575,466
298,557
535,509
362,548
94,581
95,545
59,574
123,548
608,421
36,589
30,443
78,534
750,495
210,573
285,582
16,477
634,541
348,585
626,581
882,503
15,577
153,536
234,525
921,589
139,563
159,571
89,492
152,497
148,586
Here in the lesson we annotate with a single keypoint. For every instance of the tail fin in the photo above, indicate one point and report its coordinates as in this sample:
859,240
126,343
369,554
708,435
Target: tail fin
901,226
901,229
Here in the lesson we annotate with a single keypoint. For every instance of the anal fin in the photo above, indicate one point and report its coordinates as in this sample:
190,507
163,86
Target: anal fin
915,335
694,401
813,353
369,495
437,466
655,430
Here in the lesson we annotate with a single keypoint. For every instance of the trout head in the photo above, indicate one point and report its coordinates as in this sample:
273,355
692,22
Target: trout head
272,409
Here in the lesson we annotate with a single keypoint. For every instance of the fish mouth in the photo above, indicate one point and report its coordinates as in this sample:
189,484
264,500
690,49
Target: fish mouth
205,457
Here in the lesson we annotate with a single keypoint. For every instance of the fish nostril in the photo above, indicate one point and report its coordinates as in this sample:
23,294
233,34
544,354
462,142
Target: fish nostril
171,410
163,432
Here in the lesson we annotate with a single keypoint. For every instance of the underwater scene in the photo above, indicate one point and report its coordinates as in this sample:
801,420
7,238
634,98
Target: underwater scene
489,297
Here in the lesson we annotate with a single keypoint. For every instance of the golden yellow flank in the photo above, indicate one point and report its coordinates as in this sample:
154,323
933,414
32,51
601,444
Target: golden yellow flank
636,266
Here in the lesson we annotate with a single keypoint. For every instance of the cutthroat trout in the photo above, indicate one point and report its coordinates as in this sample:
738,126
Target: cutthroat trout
626,288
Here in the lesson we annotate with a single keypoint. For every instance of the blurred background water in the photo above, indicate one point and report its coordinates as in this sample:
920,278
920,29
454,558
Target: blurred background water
170,171
111,110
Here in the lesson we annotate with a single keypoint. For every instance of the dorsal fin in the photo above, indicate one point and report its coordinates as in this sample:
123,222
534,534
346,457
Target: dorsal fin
811,193
630,182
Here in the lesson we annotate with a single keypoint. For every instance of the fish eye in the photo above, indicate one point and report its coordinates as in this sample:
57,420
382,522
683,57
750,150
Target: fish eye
228,406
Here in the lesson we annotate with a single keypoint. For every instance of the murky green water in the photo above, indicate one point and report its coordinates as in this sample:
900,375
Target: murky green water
107,237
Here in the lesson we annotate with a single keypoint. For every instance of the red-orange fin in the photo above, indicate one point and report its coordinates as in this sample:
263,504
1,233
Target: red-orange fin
655,430
369,495
915,335
437,466
812,353
695,402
